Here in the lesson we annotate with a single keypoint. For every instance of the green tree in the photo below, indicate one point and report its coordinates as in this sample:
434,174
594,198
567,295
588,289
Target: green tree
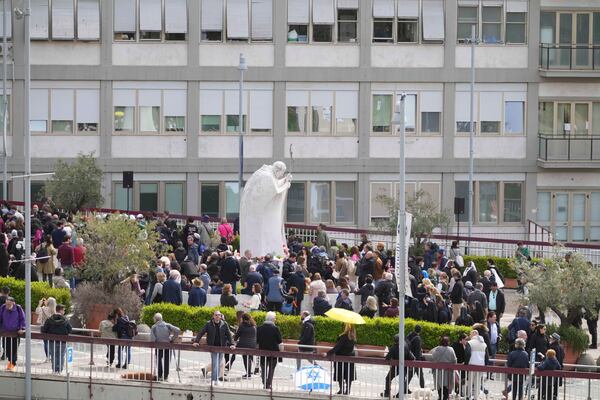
564,287
115,247
425,211
76,185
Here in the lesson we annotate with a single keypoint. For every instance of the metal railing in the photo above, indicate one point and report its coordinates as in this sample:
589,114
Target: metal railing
555,56
300,374
568,148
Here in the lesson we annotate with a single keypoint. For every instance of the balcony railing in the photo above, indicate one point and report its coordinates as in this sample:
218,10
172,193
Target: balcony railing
568,148
569,57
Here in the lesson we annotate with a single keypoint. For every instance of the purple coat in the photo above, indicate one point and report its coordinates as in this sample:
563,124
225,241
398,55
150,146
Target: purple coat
12,320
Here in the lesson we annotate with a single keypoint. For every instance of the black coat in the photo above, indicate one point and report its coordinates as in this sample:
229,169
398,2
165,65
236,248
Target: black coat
211,330
251,279
230,270
460,351
307,335
268,337
320,306
500,302
3,261
471,276
171,292
246,336
297,280
415,345
456,295
57,325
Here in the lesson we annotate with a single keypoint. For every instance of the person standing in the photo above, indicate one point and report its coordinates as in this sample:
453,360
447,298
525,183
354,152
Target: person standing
444,379
64,254
307,336
106,332
478,357
323,238
518,358
547,385
245,338
163,332
274,291
522,253
218,334
245,262
171,289
463,352
197,294
394,354
344,372
495,337
46,265
555,345
496,300
297,280
225,231
125,329
230,270
415,345
46,308
268,338
12,320
57,324
538,341
456,296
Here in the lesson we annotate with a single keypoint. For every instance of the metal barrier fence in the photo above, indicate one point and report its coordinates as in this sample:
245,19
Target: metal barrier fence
294,373
569,56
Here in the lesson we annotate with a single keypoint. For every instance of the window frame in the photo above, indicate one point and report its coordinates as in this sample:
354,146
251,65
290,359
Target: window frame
223,31
500,201
503,24
163,35
572,106
334,27
396,20
410,188
393,131
50,36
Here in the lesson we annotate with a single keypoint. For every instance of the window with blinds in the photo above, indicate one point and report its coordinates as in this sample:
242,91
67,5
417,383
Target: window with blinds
236,20
408,21
64,20
322,21
150,20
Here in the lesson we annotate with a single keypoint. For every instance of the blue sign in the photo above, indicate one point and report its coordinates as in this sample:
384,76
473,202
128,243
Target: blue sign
69,356
312,378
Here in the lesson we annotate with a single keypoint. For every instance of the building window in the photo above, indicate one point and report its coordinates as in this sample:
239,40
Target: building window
329,112
8,111
209,199
65,111
150,20
503,21
174,197
569,118
422,112
219,110
122,198
65,20
159,110
232,200
236,20
401,21
494,113
345,193
320,202
379,212
493,202
315,21
572,216
295,202
148,196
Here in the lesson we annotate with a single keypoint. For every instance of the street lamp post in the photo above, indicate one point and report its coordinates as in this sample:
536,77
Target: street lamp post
398,119
473,41
242,67
6,14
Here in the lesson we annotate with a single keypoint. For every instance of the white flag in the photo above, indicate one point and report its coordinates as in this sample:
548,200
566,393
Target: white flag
401,265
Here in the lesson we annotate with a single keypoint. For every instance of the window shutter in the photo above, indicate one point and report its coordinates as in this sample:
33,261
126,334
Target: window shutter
347,4
463,106
491,106
62,104
433,20
176,16
346,104
432,101
323,12
88,106
232,102
211,102
261,109
516,5
124,98
124,15
237,19
63,19
150,15
262,19
321,98
493,3
88,19
298,12
212,15
149,98
408,8
384,9
38,105
175,103
469,3
8,18
39,19
297,98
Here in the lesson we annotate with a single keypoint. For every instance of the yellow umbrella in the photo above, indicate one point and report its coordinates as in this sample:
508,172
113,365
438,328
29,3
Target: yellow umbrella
342,315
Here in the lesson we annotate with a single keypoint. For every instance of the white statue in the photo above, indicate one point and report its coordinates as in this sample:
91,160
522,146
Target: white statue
262,210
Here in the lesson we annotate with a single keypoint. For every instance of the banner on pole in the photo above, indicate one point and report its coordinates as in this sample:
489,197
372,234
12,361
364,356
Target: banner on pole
401,262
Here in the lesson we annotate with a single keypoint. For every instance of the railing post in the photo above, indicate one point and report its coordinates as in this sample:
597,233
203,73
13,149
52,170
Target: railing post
152,353
569,148
546,143
91,370
592,148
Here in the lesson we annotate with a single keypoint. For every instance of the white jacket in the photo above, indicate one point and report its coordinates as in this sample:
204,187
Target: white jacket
478,350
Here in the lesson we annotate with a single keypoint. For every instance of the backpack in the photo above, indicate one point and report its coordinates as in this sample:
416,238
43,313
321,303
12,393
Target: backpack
43,253
131,329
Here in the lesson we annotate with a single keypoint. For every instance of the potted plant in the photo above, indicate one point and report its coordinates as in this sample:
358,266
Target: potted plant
566,288
115,247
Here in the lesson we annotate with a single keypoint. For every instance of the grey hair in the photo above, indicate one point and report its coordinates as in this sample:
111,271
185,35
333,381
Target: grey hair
520,343
479,285
270,317
157,317
252,268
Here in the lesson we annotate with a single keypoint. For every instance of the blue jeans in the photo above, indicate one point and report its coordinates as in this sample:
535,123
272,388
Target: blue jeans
215,365
122,349
493,350
57,352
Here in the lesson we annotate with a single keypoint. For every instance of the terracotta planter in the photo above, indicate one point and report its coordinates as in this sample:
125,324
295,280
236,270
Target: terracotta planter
96,314
571,355
510,283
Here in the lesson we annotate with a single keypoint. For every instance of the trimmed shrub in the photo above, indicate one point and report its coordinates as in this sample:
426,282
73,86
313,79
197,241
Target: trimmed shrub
503,265
376,332
39,290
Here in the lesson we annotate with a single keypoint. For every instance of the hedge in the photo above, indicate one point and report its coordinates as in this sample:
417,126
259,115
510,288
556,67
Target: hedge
503,265
39,290
376,332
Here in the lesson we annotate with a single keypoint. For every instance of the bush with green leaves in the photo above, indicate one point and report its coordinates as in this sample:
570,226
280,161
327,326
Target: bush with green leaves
503,265
39,290
376,332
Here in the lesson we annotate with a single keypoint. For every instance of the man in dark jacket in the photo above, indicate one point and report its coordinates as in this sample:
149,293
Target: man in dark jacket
456,296
266,269
470,274
343,300
180,252
192,250
171,291
288,267
57,325
321,304
307,337
496,300
555,345
394,354
252,278
384,291
268,338
462,350
415,345
297,280
366,267
230,270
217,334
245,262
479,296
518,358
189,229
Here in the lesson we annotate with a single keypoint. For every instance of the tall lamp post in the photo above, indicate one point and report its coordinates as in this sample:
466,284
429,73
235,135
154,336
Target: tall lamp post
6,14
398,119
473,41
242,68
